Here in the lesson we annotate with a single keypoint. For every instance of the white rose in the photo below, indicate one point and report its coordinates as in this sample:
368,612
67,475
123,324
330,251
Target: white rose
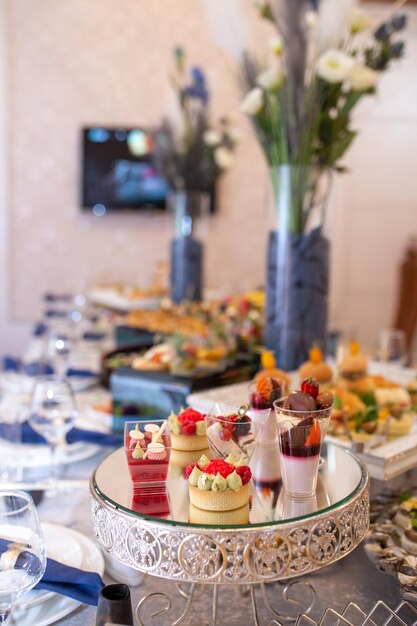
212,137
358,20
223,158
270,78
253,102
311,18
277,45
362,78
334,66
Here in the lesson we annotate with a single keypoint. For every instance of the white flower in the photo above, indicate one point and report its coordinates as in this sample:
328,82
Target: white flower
362,78
223,158
311,18
358,20
334,66
234,134
271,78
277,45
212,137
253,102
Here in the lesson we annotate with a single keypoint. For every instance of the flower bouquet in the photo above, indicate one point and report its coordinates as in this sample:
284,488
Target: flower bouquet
323,62
191,154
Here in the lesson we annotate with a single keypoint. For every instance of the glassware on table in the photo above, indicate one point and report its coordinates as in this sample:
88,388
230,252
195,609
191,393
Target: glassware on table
148,449
13,410
59,349
392,350
262,395
52,414
22,553
300,435
231,431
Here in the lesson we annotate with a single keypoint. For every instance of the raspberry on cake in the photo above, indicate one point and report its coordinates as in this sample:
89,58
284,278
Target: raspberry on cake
188,430
219,492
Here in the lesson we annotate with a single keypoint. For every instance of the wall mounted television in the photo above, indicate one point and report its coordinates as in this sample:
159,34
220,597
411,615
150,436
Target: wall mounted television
117,171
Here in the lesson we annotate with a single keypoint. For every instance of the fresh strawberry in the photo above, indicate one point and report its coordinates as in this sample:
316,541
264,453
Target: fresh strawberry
189,469
218,466
190,415
225,434
188,428
244,473
311,387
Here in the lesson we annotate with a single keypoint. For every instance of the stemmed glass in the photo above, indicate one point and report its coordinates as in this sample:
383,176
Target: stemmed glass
22,553
53,414
392,350
60,345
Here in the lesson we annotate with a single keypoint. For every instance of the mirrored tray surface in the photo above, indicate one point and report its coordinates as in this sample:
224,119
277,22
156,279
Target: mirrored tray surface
341,477
284,538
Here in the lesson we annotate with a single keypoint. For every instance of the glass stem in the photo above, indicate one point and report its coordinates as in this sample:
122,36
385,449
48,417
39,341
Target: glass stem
54,466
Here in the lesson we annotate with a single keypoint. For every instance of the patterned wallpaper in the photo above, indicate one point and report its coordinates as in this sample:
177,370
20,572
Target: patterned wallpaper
83,62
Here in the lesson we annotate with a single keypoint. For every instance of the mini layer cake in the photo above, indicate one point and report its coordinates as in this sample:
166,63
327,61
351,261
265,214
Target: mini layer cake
219,492
188,431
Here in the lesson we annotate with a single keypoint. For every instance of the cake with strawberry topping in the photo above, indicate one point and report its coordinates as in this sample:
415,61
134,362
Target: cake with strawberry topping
188,430
219,491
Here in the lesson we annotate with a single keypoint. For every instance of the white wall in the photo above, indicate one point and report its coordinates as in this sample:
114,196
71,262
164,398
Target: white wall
110,67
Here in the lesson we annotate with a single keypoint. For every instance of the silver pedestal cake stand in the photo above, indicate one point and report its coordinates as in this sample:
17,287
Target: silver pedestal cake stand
285,538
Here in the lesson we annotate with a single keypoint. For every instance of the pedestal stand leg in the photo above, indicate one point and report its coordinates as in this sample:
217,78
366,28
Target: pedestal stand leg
308,593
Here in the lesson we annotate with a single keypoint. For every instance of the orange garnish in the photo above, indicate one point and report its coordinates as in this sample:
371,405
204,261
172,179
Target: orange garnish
316,355
267,360
314,437
354,347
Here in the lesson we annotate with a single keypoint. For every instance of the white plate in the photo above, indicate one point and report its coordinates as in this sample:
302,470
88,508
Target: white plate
38,455
58,606
61,546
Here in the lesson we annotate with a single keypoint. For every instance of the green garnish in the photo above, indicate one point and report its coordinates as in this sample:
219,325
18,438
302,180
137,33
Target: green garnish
337,402
405,496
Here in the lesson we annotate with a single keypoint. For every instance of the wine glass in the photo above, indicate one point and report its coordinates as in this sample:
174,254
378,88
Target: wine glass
53,414
392,351
60,346
22,552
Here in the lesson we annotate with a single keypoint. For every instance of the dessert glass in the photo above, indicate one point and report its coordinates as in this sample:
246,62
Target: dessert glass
262,395
147,462
231,431
300,435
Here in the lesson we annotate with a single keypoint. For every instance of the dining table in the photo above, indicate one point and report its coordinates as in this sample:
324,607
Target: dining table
352,579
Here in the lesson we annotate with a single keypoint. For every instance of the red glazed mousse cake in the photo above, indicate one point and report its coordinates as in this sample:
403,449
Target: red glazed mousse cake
147,449
219,492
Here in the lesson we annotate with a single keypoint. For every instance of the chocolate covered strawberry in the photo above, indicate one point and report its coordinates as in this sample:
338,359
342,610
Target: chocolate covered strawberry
311,387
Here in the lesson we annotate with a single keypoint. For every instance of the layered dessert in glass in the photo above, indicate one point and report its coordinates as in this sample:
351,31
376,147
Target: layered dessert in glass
302,418
147,448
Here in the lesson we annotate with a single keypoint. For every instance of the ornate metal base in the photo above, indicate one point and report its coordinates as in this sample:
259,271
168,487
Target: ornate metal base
289,593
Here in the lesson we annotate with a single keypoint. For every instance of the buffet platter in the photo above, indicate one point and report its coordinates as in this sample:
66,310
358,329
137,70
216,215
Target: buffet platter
290,539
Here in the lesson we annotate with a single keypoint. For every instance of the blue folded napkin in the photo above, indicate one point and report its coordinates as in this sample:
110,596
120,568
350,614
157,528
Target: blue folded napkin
80,373
75,435
11,364
72,582
56,297
38,368
59,578
40,329
93,335
53,313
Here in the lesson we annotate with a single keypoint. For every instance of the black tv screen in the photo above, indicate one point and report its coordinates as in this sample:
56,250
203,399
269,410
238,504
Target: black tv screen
117,171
